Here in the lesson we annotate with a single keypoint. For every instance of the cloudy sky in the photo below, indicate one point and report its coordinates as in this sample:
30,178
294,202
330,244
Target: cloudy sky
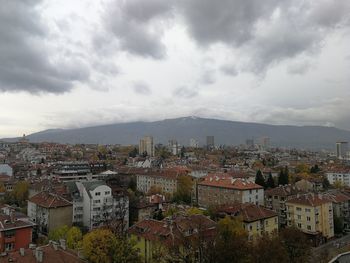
79,63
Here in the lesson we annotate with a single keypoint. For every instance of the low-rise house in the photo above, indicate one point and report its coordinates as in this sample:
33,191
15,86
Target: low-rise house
275,199
49,211
312,214
14,233
218,190
310,185
256,220
174,235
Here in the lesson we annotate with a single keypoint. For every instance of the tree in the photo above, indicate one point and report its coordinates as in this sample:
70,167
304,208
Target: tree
259,178
296,245
20,192
133,153
325,183
268,249
2,187
102,246
338,224
59,233
184,189
270,183
283,176
74,237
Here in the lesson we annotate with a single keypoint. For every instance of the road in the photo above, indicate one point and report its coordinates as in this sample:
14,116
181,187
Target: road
329,248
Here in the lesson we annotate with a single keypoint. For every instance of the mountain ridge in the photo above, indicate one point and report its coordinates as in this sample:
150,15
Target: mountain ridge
182,129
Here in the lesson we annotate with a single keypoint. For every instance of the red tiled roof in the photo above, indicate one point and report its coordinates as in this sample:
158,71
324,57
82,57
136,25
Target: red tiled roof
49,200
310,199
282,190
6,223
229,182
249,212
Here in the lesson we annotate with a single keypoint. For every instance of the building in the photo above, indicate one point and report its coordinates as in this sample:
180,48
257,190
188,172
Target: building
219,190
341,150
194,143
49,211
210,142
146,145
312,214
310,184
341,206
50,253
264,143
5,169
339,176
163,180
256,220
171,233
174,147
275,199
14,233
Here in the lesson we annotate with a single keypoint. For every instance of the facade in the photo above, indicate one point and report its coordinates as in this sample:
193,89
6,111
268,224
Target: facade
194,143
341,206
219,190
341,150
256,220
5,169
312,214
146,145
275,199
49,211
210,142
14,233
154,235
341,176
310,185
166,181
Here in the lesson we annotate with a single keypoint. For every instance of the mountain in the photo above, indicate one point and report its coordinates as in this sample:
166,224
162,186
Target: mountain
182,129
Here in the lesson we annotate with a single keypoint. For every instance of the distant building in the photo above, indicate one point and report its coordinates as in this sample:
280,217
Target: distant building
341,149
5,169
210,142
174,147
165,180
264,143
194,143
249,143
146,145
341,176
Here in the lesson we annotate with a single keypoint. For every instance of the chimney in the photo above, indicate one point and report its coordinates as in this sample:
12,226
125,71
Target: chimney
63,244
39,254
21,251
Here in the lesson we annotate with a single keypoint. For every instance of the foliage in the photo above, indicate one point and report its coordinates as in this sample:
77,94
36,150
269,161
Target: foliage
133,153
325,183
338,184
132,184
184,189
2,188
338,224
74,238
283,176
59,233
194,211
270,183
259,178
20,192
155,190
314,169
102,246
296,245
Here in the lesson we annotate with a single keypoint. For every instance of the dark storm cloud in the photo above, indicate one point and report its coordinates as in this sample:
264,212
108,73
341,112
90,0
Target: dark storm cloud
135,24
25,63
185,92
142,88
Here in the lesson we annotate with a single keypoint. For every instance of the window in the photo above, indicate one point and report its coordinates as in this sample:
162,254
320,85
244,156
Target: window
307,210
298,209
308,227
9,246
97,193
308,218
97,201
107,192
299,217
299,225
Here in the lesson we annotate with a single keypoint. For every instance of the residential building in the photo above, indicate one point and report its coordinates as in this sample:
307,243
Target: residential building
210,142
146,145
275,199
339,176
6,169
310,185
312,214
218,190
194,143
49,211
164,180
341,206
256,220
173,232
14,233
341,150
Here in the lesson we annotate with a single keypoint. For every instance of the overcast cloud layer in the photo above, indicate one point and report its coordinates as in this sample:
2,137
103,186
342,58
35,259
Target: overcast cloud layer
95,62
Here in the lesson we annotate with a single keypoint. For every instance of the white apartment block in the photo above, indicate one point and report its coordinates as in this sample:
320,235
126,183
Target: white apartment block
341,176
166,182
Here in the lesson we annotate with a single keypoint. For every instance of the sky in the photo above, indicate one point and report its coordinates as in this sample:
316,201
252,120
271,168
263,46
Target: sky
69,64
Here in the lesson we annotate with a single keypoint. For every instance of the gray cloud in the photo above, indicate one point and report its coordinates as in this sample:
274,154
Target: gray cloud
229,69
298,68
185,92
26,63
136,25
142,88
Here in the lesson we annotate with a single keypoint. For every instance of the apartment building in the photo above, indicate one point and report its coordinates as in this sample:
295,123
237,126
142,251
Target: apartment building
146,145
256,220
218,190
341,176
164,180
312,214
275,199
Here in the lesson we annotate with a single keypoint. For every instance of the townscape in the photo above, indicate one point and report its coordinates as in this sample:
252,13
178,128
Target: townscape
171,203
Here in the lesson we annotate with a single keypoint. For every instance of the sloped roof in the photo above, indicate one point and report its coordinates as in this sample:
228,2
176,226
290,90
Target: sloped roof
49,200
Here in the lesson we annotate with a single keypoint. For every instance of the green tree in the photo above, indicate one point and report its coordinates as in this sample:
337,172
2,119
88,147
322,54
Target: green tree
59,233
325,183
259,178
184,189
74,238
270,183
283,176
102,246
338,224
133,153
20,192
2,188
